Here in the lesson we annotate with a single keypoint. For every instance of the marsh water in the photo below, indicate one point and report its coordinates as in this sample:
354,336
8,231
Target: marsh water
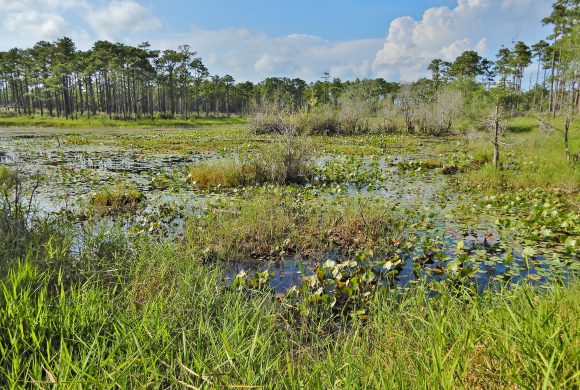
70,168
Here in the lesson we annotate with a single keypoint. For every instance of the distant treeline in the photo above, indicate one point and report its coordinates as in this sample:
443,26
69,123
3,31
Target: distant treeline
125,82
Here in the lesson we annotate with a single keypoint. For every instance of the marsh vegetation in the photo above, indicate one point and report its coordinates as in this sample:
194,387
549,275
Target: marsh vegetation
229,253
365,234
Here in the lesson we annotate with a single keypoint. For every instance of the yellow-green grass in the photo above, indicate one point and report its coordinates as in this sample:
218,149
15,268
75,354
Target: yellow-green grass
104,122
283,161
225,173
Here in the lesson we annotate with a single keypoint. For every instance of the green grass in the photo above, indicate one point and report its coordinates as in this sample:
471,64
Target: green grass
104,122
171,323
529,158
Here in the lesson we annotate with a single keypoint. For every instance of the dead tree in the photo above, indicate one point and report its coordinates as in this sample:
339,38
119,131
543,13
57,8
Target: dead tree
568,119
496,124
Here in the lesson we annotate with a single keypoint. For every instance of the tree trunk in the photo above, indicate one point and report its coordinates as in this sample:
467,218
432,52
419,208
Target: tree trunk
566,129
550,98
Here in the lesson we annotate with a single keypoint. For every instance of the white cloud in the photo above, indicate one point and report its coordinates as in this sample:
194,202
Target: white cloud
443,32
33,23
119,16
24,22
253,56
410,44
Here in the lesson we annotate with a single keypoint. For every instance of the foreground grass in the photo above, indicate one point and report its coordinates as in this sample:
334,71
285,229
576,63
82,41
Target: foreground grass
170,323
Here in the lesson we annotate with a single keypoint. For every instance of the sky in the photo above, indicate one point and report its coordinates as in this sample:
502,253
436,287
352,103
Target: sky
254,39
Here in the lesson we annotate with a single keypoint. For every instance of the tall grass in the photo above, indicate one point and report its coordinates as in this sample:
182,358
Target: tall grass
171,323
289,160
19,230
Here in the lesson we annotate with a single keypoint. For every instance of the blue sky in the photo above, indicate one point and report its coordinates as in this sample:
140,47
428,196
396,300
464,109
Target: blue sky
253,39
330,19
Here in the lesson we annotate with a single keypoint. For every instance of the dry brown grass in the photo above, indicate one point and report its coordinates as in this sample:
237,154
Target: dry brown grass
223,173
288,160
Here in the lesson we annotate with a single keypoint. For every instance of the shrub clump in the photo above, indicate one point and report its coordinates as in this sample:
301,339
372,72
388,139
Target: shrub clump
268,123
321,120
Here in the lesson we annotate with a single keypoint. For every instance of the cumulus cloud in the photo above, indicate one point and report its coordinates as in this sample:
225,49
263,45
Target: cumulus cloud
444,32
24,22
33,23
122,15
253,56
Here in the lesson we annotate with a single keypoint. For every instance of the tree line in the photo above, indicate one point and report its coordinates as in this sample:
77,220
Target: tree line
127,82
